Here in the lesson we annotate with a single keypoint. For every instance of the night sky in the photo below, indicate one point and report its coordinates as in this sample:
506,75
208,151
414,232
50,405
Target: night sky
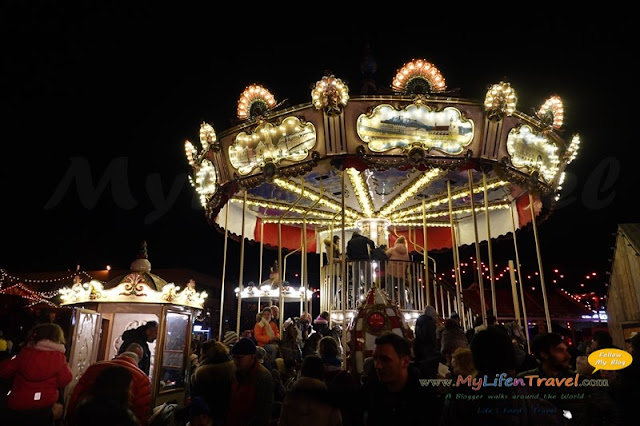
115,90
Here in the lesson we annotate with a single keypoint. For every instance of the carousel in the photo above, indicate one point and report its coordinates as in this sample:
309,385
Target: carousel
103,311
421,163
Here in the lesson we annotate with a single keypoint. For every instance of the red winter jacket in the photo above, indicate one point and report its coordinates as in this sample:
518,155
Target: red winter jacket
140,388
38,371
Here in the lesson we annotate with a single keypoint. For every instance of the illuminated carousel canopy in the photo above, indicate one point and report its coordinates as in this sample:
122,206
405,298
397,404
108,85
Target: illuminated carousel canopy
138,286
412,160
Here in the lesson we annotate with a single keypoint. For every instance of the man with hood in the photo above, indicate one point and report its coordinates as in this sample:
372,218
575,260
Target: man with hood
142,335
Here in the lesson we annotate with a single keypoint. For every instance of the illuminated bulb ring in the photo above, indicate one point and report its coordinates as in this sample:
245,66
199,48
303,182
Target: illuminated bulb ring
254,94
330,93
553,105
418,69
500,99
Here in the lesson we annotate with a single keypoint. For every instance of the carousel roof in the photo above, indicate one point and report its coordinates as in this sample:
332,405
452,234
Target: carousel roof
138,286
421,157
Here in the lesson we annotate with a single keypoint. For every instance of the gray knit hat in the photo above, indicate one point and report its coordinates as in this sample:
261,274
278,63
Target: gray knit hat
230,338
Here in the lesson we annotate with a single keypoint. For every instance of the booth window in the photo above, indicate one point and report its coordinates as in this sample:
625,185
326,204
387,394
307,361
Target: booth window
174,353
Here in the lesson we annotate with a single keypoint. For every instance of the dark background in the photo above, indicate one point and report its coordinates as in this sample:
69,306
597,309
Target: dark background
113,89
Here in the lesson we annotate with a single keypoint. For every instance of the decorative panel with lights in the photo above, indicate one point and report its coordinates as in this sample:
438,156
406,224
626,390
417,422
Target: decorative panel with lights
533,150
291,140
387,128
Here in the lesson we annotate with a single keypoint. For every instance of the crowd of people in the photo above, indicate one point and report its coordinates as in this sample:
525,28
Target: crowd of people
443,376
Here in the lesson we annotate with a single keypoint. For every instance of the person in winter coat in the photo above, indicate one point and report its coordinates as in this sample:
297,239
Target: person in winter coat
107,401
140,399
267,334
142,335
308,401
253,390
213,378
342,385
396,268
425,344
332,247
453,337
321,324
38,372
359,248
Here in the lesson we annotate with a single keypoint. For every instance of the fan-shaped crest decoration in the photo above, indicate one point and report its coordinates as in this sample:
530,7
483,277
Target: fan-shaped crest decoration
552,112
255,101
330,94
418,77
208,137
500,100
205,178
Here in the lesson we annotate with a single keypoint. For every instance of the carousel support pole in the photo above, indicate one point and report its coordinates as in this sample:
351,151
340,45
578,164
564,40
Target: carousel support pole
442,300
425,253
449,303
463,312
280,266
524,306
309,302
281,276
241,272
416,284
454,250
344,276
331,282
542,283
514,292
483,306
260,267
492,274
224,269
435,289
304,280
303,261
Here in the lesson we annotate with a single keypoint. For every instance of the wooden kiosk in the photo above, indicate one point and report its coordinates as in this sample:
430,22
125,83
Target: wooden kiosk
103,312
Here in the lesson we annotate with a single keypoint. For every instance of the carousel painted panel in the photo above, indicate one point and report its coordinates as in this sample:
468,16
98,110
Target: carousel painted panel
386,128
292,139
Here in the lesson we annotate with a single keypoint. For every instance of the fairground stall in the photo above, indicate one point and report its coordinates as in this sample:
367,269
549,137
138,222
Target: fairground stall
102,312
418,162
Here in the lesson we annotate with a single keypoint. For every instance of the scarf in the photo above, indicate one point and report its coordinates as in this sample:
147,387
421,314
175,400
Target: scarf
267,326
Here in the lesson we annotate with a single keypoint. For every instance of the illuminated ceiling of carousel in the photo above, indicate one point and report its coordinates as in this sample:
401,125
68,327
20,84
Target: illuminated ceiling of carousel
392,194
